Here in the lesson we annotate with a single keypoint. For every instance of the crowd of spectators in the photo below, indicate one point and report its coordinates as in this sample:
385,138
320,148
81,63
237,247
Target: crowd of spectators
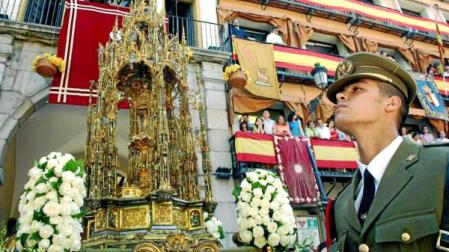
292,127
424,137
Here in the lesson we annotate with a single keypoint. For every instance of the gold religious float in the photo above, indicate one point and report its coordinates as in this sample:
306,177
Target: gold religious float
159,207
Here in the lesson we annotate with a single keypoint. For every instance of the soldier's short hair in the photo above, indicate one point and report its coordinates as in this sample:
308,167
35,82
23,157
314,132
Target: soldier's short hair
388,90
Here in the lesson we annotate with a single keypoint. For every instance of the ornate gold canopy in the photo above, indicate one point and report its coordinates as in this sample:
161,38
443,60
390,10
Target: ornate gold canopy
144,67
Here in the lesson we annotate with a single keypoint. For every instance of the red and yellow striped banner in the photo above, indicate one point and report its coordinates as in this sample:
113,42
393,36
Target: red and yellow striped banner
304,60
442,85
334,154
301,60
253,147
380,13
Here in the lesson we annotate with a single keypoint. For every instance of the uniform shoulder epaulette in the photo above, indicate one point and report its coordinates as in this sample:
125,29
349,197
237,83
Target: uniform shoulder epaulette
438,144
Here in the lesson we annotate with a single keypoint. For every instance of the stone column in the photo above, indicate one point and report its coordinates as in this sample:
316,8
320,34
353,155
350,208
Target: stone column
218,136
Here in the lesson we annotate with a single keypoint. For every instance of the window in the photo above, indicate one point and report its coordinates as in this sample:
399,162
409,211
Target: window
44,12
180,19
411,13
366,1
414,9
322,47
394,55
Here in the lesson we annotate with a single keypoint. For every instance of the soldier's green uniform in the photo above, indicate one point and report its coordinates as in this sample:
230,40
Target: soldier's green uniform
406,212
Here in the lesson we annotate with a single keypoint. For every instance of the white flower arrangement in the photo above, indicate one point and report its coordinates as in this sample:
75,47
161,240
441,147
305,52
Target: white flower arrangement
51,206
264,214
214,226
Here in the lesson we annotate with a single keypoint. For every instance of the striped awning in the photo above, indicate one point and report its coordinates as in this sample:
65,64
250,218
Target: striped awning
253,147
334,154
390,16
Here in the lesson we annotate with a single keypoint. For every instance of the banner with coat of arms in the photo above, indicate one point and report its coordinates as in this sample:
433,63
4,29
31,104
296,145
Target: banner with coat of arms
258,60
429,97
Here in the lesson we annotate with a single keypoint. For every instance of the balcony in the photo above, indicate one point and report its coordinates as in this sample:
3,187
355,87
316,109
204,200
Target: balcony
49,13
416,28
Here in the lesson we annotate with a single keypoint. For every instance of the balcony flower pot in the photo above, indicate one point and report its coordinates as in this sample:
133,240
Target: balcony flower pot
48,65
238,79
45,68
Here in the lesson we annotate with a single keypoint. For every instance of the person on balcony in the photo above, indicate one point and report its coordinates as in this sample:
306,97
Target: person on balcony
244,126
281,128
426,137
245,118
442,138
310,130
333,131
322,131
295,125
274,37
417,138
395,199
259,126
236,31
268,122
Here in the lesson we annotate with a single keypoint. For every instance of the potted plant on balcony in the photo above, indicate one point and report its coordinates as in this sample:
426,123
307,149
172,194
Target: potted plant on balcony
48,65
236,76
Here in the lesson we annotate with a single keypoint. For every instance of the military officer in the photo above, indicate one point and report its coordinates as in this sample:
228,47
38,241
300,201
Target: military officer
395,199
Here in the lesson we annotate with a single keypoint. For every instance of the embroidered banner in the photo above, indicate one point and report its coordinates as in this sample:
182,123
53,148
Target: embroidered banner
253,147
380,14
334,154
258,60
295,168
429,97
85,24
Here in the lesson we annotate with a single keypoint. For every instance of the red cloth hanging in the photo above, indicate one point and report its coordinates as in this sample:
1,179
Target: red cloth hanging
295,167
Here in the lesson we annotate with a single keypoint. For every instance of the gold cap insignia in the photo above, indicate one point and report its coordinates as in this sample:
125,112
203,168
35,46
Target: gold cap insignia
344,68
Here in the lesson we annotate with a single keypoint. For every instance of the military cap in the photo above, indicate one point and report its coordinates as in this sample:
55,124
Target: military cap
371,66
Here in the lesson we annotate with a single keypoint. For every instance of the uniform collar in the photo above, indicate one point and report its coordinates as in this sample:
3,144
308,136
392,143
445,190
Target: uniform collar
380,162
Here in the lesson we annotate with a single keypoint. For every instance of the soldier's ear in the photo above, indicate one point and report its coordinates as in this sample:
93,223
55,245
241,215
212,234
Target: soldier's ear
393,103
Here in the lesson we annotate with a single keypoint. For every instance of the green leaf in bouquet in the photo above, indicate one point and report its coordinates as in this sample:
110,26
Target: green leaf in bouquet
56,184
221,231
257,185
42,179
81,167
40,216
273,195
50,173
39,195
236,192
79,215
71,165
35,236
24,238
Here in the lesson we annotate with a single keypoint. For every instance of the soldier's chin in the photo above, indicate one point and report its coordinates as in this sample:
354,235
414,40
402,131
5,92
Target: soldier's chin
343,123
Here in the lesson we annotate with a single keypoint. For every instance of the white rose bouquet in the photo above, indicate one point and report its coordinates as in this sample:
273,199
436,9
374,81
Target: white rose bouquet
214,226
51,206
264,214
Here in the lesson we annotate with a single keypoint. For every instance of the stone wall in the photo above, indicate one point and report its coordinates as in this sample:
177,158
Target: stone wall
21,90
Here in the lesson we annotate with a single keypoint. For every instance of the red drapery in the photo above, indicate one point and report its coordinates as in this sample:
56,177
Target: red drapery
85,24
296,171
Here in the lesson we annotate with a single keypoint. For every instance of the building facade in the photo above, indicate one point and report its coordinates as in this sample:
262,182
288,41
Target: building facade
312,32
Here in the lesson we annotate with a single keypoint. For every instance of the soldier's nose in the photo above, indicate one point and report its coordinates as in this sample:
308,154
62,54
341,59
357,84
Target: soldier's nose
340,96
